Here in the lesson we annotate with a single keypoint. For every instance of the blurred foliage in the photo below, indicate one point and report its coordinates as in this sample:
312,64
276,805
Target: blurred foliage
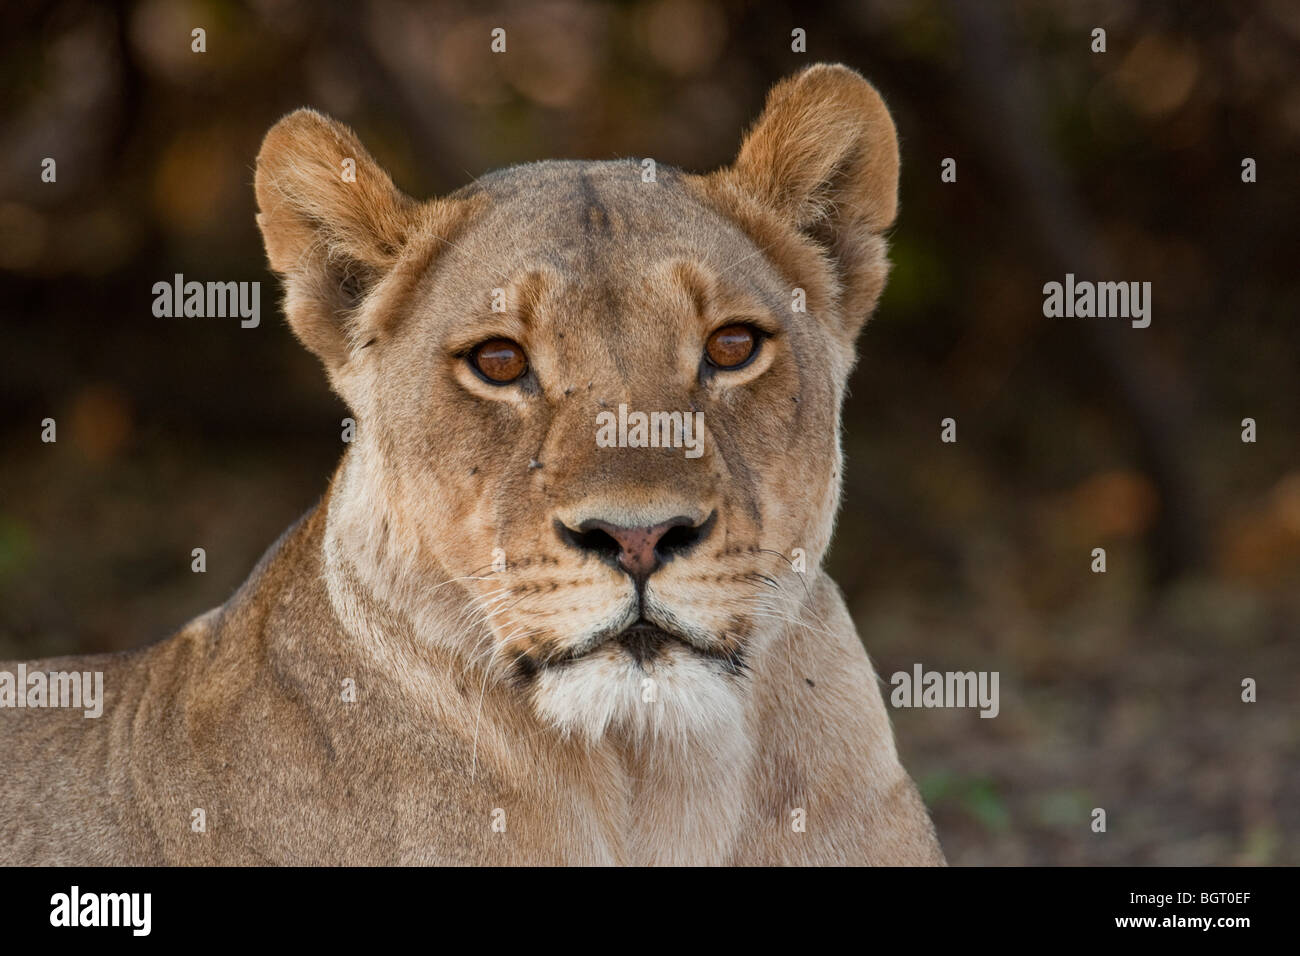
1120,690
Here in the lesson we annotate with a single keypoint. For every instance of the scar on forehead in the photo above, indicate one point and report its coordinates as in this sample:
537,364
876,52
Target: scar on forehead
596,219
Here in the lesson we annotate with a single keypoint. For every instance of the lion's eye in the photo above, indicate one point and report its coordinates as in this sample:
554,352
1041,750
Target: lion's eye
500,361
731,346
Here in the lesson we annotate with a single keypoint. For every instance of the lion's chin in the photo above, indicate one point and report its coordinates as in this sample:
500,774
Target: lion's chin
678,695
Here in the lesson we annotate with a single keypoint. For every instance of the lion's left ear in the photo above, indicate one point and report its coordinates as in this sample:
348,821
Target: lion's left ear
823,158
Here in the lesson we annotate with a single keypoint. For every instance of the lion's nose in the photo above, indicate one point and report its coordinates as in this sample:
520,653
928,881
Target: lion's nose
637,550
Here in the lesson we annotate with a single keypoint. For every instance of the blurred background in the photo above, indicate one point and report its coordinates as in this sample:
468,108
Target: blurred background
1118,690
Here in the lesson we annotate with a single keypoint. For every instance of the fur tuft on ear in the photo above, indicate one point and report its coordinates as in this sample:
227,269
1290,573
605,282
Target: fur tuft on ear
823,159
333,224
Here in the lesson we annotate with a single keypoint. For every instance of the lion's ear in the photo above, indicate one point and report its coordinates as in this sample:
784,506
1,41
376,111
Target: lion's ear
823,157
333,224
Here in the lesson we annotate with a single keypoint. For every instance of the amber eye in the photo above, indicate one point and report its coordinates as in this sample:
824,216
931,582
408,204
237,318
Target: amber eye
731,346
500,361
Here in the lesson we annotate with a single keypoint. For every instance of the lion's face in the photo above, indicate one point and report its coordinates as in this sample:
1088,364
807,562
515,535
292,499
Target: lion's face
609,290
606,407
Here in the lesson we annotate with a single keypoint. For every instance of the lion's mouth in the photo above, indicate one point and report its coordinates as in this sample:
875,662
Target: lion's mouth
644,642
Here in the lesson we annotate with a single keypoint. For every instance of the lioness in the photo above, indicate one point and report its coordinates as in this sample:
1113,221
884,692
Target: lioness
562,602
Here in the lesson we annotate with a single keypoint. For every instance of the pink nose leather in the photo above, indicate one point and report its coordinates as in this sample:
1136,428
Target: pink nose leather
637,555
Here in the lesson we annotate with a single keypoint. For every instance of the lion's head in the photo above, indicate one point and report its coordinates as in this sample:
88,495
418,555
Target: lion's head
598,402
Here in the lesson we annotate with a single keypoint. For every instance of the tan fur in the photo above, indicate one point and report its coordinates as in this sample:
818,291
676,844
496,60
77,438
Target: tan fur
612,286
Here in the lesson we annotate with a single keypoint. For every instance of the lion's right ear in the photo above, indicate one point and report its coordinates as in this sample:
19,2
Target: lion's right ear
334,225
